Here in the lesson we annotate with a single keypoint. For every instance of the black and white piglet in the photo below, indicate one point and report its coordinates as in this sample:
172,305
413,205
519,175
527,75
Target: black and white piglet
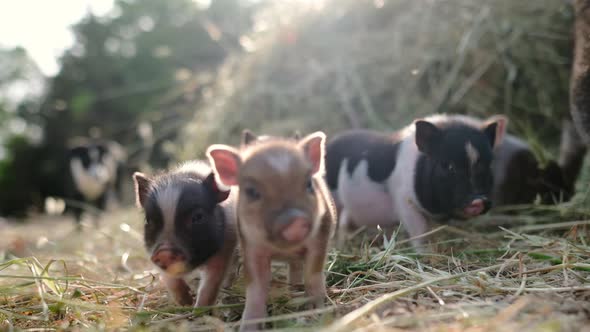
437,167
189,227
94,168
518,175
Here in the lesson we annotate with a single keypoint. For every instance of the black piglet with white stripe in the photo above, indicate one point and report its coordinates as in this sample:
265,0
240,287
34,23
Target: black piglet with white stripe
189,227
437,167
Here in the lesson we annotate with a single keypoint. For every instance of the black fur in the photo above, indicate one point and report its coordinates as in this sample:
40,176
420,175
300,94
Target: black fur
522,179
445,180
200,239
378,149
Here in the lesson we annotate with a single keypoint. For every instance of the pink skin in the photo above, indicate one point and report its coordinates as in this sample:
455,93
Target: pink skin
258,256
475,208
297,231
212,277
257,265
179,289
166,257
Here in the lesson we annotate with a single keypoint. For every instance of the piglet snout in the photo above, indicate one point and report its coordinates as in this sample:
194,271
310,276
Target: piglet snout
168,259
476,207
297,230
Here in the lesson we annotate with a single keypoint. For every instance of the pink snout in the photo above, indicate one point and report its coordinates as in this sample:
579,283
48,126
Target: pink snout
166,256
297,230
475,208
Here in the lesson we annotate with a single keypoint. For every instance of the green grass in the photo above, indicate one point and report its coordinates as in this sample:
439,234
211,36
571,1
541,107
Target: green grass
496,273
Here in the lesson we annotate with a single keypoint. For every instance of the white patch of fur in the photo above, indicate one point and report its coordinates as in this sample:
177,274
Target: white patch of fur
367,202
387,203
91,182
472,153
194,166
167,201
281,162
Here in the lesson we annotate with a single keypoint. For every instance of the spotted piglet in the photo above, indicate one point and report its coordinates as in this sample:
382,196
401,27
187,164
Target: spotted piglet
437,167
189,229
285,212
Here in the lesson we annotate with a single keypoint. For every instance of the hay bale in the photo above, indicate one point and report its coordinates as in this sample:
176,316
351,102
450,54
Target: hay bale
338,64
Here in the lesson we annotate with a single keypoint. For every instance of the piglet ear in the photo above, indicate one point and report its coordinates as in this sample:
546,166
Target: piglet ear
142,187
225,162
313,146
247,137
495,129
427,136
296,135
221,192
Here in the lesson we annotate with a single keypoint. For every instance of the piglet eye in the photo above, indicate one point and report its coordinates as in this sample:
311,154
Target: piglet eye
252,193
449,167
309,185
198,217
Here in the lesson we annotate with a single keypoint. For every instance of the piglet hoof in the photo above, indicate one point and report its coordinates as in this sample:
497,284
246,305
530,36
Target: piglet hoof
316,304
185,300
244,327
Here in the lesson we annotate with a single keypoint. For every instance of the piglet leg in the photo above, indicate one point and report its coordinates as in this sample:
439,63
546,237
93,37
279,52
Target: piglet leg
342,229
179,290
232,271
414,222
258,274
315,283
211,279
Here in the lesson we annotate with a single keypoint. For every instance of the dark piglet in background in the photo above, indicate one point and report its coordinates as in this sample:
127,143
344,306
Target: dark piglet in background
519,179
189,228
285,212
436,168
94,168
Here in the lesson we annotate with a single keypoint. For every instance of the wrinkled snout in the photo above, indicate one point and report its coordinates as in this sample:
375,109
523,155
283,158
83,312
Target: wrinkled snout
478,205
169,259
293,225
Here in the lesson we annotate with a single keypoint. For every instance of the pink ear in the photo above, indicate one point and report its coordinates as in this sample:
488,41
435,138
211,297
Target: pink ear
226,162
313,146
142,186
500,123
221,194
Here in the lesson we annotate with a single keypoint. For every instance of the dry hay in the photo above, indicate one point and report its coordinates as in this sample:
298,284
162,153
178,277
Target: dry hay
479,276
337,64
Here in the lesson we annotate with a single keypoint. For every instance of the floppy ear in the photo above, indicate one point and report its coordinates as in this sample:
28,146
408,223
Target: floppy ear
495,129
142,185
225,162
247,137
313,146
221,194
427,136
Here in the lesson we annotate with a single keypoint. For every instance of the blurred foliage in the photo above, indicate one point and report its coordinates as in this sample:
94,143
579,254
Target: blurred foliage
19,186
288,65
21,89
337,64
123,65
144,62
